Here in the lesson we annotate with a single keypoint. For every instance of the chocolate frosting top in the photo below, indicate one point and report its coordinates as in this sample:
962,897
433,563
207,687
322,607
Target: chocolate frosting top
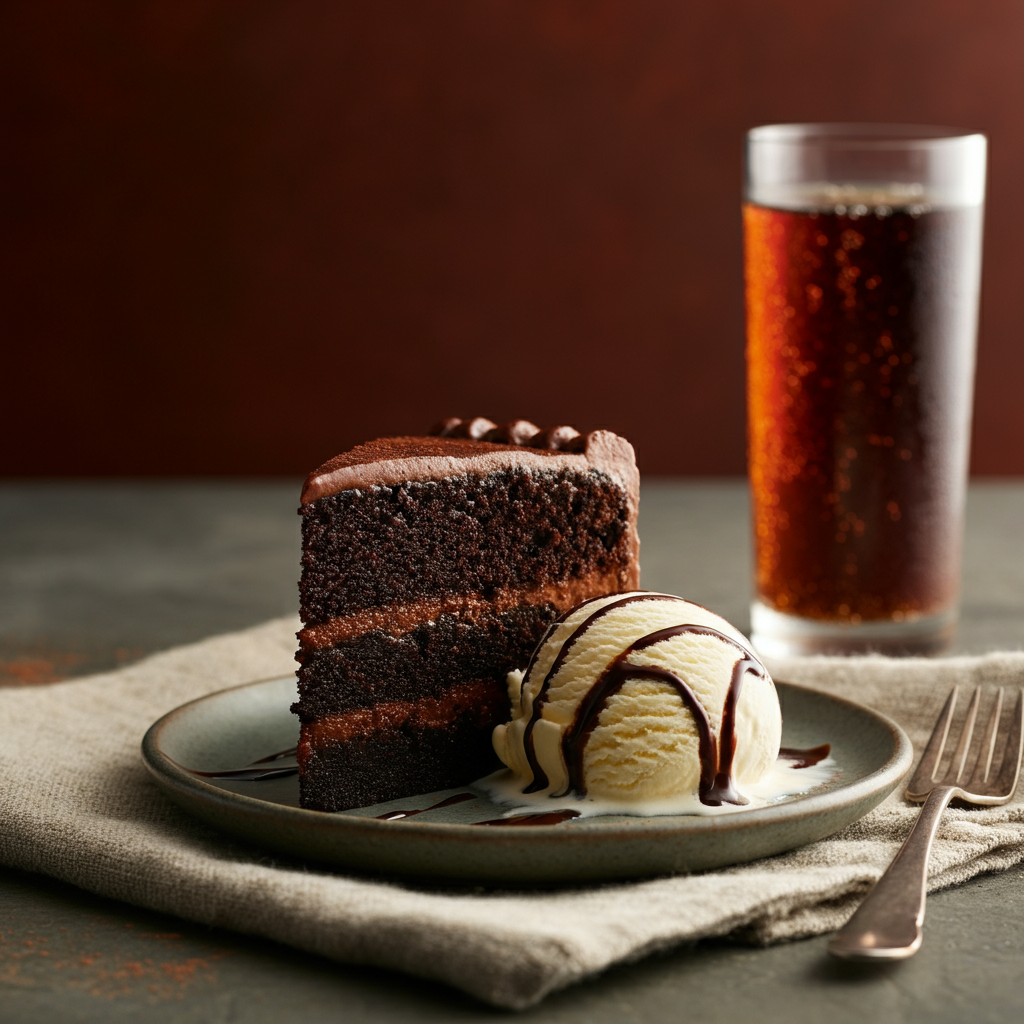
454,450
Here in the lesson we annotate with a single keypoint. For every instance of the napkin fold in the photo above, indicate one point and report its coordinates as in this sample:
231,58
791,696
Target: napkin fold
77,803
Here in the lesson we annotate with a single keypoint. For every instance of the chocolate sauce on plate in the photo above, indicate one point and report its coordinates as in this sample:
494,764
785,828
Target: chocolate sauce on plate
290,752
805,758
449,802
249,774
253,773
546,818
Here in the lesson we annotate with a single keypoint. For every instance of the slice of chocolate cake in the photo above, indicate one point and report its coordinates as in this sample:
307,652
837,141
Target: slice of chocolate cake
431,566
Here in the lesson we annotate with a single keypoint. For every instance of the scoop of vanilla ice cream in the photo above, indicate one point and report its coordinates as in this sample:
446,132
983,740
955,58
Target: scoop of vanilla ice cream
644,740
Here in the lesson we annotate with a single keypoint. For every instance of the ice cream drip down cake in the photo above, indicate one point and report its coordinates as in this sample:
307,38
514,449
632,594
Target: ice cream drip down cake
644,703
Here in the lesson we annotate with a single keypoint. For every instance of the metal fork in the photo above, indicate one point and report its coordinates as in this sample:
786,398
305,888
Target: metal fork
887,925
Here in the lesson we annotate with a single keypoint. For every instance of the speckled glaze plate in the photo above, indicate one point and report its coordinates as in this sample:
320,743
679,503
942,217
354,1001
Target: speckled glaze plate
233,728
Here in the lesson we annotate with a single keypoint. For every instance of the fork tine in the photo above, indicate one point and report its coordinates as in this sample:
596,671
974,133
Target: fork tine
1006,783
956,767
981,770
924,777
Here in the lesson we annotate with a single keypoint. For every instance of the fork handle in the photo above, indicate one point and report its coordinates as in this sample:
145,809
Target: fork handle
887,925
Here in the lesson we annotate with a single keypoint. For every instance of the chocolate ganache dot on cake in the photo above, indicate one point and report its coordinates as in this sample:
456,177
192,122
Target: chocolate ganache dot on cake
431,568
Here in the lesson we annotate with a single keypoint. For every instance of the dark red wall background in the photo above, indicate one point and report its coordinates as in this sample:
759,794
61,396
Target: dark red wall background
238,237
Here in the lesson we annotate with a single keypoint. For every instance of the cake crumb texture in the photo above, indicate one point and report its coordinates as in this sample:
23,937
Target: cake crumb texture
382,545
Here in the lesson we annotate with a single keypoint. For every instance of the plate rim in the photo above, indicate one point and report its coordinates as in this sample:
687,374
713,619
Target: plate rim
171,775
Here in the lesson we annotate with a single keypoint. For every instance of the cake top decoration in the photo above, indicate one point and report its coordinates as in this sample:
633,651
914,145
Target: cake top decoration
518,432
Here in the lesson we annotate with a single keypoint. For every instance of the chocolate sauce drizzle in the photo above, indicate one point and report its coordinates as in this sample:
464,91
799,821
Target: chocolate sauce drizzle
716,753
253,773
540,779
805,758
290,752
545,818
518,432
449,802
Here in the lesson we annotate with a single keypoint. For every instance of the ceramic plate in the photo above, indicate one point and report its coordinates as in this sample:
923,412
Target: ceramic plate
233,728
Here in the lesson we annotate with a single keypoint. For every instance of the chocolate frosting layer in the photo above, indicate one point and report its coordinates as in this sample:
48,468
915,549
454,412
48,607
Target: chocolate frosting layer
476,446
519,444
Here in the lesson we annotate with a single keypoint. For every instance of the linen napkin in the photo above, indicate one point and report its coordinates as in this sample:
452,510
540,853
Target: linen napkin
77,803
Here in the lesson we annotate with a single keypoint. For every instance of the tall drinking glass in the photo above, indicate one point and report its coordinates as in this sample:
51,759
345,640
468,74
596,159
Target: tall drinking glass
862,251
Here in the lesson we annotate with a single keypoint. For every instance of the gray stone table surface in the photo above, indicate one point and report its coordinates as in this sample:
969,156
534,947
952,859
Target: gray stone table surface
93,575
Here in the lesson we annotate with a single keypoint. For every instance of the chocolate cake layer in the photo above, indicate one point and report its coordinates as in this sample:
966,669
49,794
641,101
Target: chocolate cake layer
427,661
463,535
399,748
397,619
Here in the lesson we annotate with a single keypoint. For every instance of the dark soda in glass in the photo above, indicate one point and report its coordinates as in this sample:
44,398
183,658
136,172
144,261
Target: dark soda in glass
860,357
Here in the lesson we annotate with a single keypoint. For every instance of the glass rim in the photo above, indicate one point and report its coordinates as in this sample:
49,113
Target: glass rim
860,135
